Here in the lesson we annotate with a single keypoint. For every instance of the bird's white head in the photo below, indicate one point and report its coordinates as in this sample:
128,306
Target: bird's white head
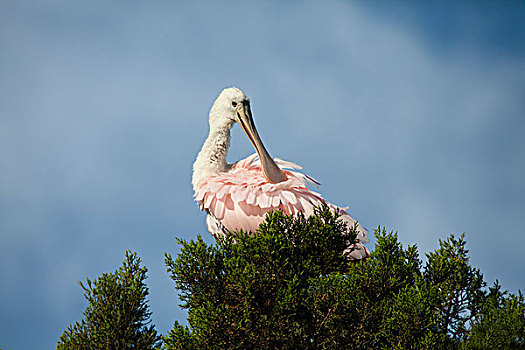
232,106
226,108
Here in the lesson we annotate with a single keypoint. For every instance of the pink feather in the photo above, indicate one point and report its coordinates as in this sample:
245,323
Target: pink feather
240,198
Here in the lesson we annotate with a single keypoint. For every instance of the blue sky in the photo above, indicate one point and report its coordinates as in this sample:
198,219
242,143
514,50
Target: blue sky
411,114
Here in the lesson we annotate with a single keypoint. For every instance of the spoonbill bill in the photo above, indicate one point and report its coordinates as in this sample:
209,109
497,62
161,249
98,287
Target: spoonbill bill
237,196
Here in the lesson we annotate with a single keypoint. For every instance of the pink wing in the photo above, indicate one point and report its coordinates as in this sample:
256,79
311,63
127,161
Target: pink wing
240,198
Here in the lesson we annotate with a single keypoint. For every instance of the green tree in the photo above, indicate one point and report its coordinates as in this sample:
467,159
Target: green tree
459,287
251,291
289,286
117,316
500,324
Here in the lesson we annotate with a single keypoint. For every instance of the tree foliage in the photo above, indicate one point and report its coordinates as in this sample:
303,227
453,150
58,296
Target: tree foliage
117,316
288,286
500,323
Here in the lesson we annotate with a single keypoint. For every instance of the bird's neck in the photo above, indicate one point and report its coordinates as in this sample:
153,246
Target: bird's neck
211,159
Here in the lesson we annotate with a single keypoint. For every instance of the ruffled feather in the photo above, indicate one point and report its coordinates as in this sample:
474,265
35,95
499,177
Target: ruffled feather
240,197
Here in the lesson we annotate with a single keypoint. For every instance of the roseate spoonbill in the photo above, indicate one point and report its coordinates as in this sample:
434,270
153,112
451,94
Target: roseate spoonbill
237,196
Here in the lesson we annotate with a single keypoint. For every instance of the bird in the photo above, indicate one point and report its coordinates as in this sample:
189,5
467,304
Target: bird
238,196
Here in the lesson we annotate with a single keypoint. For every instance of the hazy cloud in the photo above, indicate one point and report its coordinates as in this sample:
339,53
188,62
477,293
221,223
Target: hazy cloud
411,114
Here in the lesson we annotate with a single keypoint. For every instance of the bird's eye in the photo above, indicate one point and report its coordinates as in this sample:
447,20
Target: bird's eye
234,104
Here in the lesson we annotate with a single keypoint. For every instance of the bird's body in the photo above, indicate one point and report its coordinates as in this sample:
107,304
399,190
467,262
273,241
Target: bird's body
238,196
